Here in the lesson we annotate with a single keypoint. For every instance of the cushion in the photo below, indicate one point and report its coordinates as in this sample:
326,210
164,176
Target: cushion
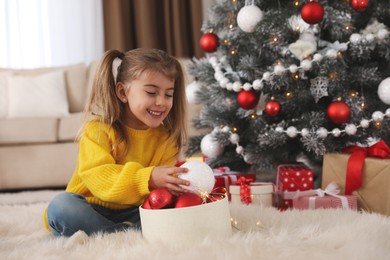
37,96
69,126
4,94
75,79
92,69
28,130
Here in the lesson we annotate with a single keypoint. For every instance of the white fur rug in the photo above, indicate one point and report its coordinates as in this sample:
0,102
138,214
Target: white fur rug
311,234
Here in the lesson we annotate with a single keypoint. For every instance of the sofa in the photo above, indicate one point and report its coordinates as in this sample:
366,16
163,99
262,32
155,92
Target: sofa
41,112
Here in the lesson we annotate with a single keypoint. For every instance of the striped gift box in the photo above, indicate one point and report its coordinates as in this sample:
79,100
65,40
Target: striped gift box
316,202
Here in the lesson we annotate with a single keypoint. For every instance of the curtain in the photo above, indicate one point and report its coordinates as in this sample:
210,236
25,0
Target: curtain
45,33
171,25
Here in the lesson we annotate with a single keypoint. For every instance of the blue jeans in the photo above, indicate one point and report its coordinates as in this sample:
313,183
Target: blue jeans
69,212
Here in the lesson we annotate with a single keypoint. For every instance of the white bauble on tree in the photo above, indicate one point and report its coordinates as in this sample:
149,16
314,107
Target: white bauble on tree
191,90
248,17
210,147
384,91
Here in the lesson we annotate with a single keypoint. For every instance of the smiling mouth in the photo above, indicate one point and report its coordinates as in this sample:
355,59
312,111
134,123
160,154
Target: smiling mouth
155,113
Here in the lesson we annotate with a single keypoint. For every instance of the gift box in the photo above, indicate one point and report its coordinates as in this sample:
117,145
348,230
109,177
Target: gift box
279,201
290,178
316,202
374,193
187,225
224,178
260,193
294,177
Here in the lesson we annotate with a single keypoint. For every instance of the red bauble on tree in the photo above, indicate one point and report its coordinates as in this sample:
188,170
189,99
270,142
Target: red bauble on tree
359,5
312,12
209,42
247,99
272,107
160,198
338,112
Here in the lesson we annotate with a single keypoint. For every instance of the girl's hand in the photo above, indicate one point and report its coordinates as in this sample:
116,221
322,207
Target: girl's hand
165,177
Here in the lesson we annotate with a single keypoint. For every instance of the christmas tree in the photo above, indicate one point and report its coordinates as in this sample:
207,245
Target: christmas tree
288,80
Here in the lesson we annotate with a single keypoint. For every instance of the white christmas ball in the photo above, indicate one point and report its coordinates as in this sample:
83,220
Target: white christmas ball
365,123
291,131
237,86
239,149
293,68
304,132
382,34
384,91
378,116
257,84
225,129
191,90
223,82
200,176
306,65
336,132
229,86
279,129
370,37
279,69
350,129
355,38
387,113
317,57
218,75
210,147
266,75
247,86
322,132
248,17
234,138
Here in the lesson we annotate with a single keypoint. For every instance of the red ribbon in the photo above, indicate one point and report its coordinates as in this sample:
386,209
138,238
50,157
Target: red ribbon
245,190
356,162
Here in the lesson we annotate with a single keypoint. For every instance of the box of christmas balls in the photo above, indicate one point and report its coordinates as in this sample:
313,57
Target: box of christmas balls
190,216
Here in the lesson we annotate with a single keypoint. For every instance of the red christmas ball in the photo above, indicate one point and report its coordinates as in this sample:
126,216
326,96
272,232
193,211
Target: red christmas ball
212,197
312,12
247,99
188,199
209,42
359,5
338,112
146,204
160,198
272,108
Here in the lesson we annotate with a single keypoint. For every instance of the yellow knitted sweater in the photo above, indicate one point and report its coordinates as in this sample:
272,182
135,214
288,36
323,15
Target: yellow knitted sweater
115,183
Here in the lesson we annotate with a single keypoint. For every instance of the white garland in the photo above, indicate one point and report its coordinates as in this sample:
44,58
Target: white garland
372,32
292,132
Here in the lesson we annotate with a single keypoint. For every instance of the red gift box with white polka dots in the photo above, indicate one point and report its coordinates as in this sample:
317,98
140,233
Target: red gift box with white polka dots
294,177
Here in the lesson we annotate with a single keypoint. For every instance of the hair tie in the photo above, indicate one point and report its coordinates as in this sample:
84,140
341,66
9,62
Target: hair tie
116,63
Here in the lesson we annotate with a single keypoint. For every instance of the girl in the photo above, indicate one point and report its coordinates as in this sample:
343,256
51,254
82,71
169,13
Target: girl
135,127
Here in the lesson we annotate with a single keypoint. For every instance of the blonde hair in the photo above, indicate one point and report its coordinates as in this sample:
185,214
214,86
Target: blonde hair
104,102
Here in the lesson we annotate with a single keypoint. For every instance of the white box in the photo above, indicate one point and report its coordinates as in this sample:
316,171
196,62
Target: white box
187,225
261,193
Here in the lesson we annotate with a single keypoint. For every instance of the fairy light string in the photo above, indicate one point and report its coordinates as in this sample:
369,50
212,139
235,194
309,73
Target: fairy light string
222,68
223,71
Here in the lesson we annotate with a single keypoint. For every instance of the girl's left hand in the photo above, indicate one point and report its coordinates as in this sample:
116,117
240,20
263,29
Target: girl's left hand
166,177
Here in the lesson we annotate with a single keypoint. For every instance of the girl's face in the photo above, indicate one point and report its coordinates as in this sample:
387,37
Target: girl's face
149,100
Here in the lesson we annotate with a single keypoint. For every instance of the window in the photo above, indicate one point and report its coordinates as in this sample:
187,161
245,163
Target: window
44,33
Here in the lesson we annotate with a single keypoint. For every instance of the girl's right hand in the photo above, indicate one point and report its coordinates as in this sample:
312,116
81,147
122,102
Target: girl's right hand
165,177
